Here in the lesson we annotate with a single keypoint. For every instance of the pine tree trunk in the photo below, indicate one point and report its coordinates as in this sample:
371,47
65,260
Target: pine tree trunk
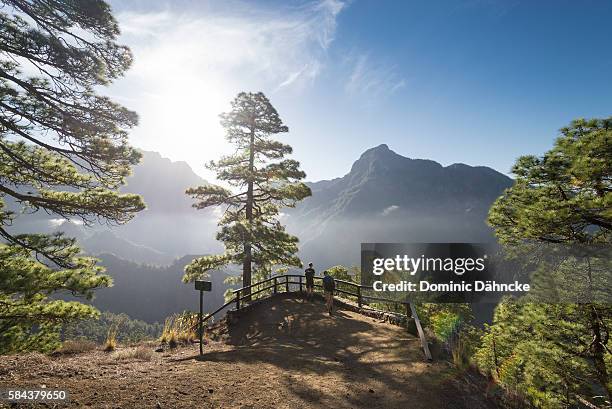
598,352
246,272
246,266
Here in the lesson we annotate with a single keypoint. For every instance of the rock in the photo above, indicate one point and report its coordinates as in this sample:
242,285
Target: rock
160,349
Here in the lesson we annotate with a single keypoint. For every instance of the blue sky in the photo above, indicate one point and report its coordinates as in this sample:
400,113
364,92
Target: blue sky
479,82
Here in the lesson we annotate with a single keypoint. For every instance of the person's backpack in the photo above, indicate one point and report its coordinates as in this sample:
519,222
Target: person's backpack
328,283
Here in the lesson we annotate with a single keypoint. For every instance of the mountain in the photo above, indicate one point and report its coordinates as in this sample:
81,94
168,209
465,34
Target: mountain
162,184
151,293
169,224
95,242
387,197
108,242
167,229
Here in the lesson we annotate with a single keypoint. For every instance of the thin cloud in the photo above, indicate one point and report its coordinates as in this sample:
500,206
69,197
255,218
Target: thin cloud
308,73
372,78
387,211
188,66
277,48
60,221
399,85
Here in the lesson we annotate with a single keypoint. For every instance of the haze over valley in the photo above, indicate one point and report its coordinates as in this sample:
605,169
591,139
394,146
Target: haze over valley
384,197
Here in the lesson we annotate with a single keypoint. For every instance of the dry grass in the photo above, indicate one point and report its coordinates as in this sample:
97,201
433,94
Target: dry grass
139,353
110,344
180,329
76,346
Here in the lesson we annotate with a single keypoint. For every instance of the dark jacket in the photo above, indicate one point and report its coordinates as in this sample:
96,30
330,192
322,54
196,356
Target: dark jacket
329,284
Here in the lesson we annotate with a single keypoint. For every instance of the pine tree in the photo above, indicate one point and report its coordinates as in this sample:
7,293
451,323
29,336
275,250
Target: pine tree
265,182
559,351
63,151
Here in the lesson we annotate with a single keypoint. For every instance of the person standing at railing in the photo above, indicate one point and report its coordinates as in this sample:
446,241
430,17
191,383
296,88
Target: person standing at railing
329,285
309,273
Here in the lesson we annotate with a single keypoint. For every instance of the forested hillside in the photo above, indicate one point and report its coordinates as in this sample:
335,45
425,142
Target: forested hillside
151,293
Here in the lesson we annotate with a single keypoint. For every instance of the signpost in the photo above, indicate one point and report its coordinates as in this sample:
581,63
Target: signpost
202,286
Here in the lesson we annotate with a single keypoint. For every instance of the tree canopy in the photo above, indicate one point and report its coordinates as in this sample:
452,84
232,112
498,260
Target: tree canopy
565,196
63,151
558,353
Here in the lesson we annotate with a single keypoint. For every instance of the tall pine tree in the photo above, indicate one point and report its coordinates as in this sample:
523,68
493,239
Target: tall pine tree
63,151
558,353
264,182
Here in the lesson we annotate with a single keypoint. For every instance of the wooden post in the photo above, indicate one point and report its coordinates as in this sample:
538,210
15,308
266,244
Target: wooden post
237,300
300,283
410,310
200,324
275,285
201,286
286,283
359,296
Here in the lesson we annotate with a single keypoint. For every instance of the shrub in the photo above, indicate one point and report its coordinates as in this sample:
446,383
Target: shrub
450,324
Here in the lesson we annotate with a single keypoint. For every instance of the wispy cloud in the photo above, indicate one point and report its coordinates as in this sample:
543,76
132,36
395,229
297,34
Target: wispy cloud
59,222
189,65
277,47
389,210
307,73
373,78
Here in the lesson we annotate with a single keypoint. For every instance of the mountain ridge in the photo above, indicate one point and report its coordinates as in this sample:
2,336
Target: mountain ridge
388,197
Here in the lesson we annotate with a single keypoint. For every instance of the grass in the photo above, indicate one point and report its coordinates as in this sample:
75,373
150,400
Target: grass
76,346
180,329
140,353
110,344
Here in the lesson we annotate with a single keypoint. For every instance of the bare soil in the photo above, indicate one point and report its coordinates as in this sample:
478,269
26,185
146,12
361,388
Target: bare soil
286,354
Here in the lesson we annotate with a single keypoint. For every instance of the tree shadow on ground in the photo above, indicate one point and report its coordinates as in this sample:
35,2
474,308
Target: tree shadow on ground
372,364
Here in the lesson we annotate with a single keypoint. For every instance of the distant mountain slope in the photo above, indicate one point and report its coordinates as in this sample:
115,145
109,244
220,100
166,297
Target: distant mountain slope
168,228
108,242
96,241
162,183
387,197
151,293
169,224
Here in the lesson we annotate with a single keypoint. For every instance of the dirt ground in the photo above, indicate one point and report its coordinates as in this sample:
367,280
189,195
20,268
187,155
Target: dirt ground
287,354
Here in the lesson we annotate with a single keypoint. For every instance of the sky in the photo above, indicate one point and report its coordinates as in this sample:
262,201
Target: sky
479,82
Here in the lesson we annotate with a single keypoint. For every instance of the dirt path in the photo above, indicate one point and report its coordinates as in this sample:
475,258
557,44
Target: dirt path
289,355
